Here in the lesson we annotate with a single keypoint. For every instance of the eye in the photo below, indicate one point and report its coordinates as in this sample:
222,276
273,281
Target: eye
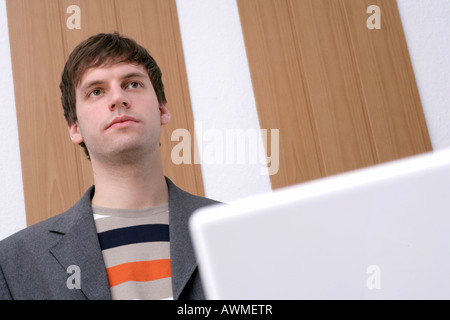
134,85
95,93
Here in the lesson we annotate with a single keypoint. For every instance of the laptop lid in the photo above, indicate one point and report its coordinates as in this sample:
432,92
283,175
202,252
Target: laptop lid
376,233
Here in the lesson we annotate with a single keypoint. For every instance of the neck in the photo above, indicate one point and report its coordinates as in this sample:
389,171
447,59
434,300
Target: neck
129,185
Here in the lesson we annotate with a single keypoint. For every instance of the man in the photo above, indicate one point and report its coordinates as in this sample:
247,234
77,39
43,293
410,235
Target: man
127,237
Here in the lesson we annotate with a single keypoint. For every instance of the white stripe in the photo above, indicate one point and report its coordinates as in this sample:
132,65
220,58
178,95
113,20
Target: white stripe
427,31
99,216
12,215
135,252
160,289
221,91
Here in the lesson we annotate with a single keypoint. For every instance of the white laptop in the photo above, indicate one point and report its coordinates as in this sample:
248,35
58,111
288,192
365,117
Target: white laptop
377,233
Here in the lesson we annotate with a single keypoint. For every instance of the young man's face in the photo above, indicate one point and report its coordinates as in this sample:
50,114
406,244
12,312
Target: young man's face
118,112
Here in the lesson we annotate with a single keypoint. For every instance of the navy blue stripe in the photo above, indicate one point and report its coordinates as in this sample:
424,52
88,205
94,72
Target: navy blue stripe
136,234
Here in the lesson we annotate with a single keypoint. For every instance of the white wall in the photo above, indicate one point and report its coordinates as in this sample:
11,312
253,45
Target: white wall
221,91
12,212
222,96
426,25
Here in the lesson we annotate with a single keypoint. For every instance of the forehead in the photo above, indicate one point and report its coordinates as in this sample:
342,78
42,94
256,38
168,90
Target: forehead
111,71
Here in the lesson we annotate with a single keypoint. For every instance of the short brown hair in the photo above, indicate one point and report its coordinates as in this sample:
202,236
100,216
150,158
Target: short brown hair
101,50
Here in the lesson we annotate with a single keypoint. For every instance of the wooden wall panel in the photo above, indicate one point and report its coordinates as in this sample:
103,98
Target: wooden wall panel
281,94
347,93
55,171
333,85
387,80
48,158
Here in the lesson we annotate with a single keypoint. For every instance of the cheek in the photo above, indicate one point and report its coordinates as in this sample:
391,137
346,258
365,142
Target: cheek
89,119
150,109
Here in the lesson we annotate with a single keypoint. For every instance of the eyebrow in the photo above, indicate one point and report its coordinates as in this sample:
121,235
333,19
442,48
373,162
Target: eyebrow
125,77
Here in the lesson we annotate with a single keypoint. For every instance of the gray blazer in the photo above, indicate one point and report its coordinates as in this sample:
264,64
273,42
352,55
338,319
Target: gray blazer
34,262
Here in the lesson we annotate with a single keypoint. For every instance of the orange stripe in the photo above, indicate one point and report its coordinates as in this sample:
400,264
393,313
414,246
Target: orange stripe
139,271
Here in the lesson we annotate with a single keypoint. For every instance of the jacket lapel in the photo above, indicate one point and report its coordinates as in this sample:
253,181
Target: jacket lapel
79,246
182,257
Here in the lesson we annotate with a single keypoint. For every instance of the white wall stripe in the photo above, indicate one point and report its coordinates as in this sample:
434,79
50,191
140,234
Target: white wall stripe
222,96
426,25
12,213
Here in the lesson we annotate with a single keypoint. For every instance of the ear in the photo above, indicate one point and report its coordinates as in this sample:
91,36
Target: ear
75,134
164,114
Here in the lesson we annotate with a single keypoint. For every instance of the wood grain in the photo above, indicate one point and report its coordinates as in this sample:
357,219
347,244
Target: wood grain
343,96
49,161
387,81
281,94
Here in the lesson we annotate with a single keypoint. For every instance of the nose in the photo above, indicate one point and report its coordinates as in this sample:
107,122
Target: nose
119,98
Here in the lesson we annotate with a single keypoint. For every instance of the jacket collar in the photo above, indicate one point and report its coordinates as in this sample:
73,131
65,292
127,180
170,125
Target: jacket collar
79,243
182,257
79,246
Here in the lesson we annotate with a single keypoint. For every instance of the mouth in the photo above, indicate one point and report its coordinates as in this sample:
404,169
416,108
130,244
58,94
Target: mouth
121,122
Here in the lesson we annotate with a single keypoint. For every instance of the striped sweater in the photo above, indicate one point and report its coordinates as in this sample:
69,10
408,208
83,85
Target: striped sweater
136,251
